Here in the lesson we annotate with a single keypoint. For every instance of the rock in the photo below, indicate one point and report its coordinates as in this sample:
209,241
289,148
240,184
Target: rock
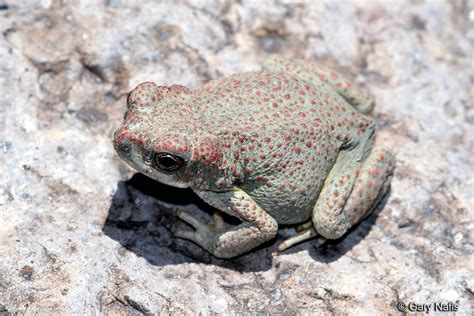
81,233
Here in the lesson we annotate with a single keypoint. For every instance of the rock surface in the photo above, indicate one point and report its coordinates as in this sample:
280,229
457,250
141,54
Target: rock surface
80,233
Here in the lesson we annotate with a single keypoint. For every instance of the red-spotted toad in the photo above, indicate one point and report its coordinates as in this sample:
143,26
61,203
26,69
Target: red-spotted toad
287,145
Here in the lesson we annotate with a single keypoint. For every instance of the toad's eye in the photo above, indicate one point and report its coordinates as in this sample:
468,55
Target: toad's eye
168,162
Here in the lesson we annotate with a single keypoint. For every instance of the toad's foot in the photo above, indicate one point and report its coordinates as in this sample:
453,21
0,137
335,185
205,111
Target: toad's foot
204,234
226,242
305,231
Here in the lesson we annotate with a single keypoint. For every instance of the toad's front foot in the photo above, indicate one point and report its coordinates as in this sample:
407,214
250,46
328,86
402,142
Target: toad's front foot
205,235
230,241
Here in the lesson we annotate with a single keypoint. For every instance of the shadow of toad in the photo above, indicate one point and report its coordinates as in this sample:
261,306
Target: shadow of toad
142,213
141,216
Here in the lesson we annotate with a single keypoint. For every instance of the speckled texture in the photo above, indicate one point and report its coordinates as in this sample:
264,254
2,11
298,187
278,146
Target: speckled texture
285,145
82,233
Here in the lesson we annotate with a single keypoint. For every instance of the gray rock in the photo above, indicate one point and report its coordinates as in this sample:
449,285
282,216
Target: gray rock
80,233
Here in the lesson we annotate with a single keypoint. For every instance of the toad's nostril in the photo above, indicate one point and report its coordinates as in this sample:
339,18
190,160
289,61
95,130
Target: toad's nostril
124,147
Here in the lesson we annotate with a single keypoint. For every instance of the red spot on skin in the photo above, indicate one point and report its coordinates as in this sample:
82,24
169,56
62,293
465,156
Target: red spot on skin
297,149
336,193
287,96
209,151
375,171
333,75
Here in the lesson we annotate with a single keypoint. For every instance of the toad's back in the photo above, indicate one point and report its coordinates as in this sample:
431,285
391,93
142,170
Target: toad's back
282,134
262,100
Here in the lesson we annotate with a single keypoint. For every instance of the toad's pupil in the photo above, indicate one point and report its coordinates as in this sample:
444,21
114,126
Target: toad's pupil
167,161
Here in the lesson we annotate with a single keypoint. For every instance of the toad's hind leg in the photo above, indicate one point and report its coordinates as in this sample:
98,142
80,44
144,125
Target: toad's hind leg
335,213
359,98
349,195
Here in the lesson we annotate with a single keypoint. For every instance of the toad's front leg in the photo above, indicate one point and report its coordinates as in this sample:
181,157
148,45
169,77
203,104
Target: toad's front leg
257,225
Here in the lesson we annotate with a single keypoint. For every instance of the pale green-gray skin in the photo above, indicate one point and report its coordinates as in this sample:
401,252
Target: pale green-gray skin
287,145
